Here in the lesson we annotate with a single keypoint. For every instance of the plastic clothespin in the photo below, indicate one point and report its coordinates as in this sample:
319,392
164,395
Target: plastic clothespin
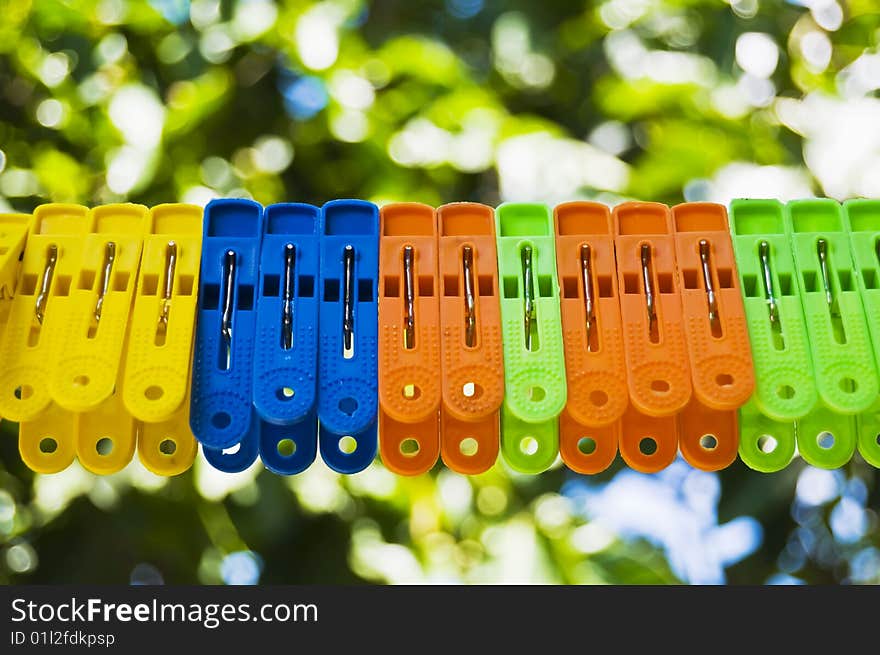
534,361
162,326
589,428
862,222
655,347
89,359
13,236
347,354
840,345
785,389
409,339
472,368
286,349
717,338
35,328
221,408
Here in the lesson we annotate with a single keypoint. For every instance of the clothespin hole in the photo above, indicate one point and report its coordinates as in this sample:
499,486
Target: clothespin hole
724,380
286,447
587,445
528,445
348,406
825,440
708,442
284,393
221,420
81,381
767,444
537,394
411,391
168,447
468,446
24,392
48,445
660,386
471,390
785,391
348,445
409,447
104,446
647,446
598,397
153,392
849,385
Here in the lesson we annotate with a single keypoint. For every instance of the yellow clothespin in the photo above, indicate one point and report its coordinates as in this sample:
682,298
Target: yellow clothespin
55,244
157,369
89,356
13,235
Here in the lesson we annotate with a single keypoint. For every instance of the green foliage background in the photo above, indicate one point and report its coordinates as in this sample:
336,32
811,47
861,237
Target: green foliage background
432,101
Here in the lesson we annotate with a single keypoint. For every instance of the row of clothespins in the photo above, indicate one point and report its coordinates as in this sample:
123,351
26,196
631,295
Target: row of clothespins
447,334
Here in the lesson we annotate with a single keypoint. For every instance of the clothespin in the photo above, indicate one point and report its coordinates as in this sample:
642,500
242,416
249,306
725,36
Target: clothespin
717,338
472,369
655,347
13,235
409,339
785,389
162,327
221,408
286,349
347,354
862,223
534,362
86,370
598,396
840,346
35,328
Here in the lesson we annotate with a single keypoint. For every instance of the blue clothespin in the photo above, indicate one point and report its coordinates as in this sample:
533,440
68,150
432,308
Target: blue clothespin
285,370
221,407
347,355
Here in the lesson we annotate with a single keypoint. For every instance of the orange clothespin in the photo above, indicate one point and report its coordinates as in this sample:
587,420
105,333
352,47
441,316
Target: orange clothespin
470,318
654,339
717,339
589,428
409,339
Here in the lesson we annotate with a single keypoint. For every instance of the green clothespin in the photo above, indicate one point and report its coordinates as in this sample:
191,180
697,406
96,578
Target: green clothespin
862,222
534,363
843,358
785,390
